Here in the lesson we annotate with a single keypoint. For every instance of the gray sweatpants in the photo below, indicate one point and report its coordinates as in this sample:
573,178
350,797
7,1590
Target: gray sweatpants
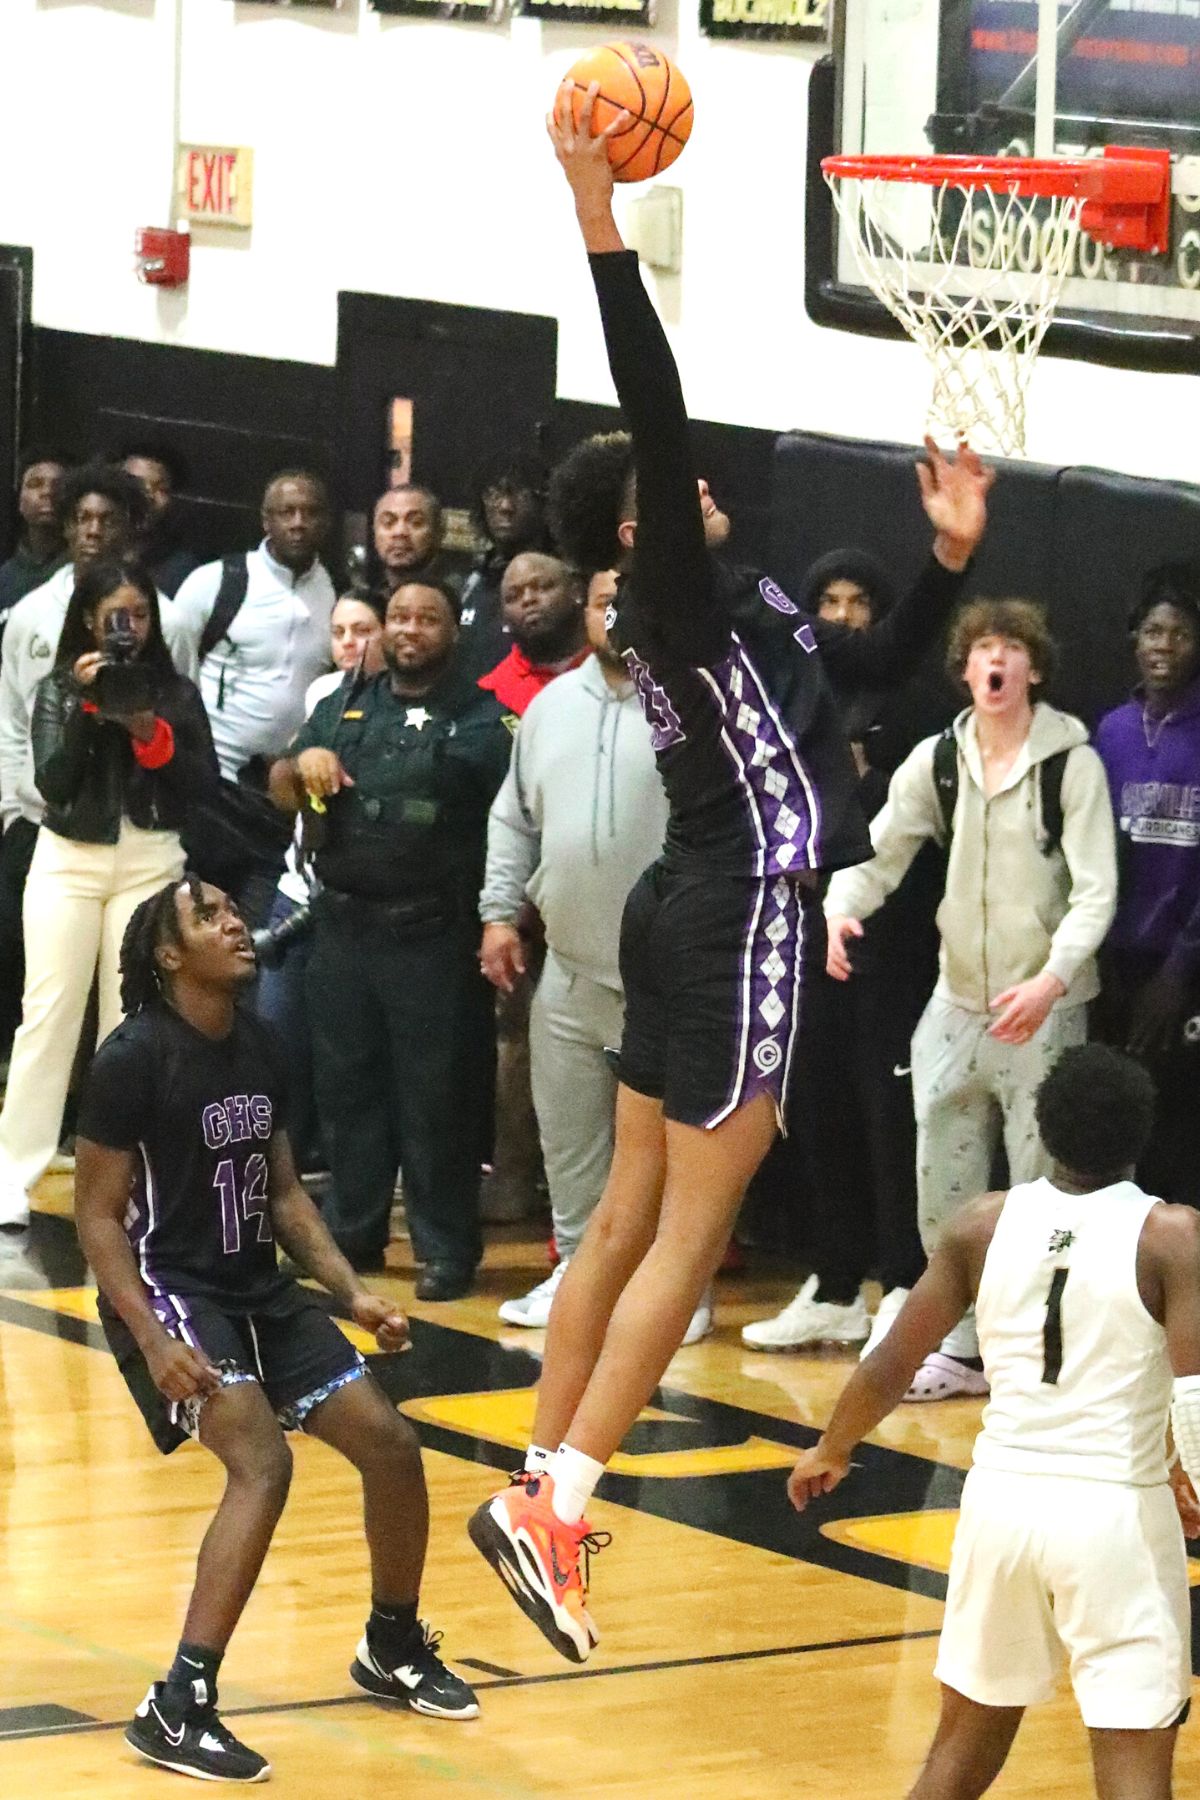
970,1093
572,1022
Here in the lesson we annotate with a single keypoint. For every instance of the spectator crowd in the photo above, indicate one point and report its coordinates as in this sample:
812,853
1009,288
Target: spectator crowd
430,795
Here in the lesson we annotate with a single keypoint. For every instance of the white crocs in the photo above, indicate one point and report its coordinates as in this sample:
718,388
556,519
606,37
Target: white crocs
943,1377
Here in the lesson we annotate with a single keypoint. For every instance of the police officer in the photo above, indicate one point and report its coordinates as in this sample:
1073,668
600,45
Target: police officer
400,774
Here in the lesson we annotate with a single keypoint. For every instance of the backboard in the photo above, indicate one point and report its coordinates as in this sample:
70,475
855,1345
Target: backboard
976,77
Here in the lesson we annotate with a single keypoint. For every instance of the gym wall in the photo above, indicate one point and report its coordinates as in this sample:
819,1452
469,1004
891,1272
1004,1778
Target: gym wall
405,157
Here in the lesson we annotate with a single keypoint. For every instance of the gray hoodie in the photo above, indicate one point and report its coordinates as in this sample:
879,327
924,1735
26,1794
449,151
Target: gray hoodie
1008,910
581,814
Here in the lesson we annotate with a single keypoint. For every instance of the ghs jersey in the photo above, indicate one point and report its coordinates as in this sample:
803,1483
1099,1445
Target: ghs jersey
1079,1373
199,1116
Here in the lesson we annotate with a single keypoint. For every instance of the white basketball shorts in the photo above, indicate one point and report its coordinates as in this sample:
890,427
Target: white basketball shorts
1047,1567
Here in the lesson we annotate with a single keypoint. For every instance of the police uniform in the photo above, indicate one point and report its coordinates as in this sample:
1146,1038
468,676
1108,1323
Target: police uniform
401,1016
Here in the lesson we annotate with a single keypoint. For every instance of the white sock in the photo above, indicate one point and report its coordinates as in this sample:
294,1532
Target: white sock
537,1460
575,1477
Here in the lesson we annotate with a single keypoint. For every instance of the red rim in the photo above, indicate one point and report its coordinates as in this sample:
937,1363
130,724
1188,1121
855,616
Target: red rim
1118,178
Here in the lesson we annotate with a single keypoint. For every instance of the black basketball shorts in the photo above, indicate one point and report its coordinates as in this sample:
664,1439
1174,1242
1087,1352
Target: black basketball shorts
288,1344
714,968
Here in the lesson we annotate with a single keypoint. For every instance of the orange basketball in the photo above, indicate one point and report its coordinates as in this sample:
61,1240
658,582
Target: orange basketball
642,81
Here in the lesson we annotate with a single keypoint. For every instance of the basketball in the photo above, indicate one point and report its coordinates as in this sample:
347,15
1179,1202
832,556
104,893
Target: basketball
645,83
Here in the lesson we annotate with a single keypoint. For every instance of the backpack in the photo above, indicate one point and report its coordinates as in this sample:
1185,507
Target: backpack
1050,781
235,580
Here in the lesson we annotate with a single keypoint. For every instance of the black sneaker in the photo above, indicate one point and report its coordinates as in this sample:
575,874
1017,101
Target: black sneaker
197,1744
419,1677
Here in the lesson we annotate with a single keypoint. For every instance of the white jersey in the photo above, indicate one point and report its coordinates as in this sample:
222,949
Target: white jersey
1079,1373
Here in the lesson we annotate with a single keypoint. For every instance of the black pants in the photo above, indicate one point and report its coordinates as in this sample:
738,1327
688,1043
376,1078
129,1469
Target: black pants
1170,1167
852,1116
16,854
403,1033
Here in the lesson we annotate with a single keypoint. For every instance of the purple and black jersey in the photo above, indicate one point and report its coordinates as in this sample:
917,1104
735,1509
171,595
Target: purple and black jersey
199,1116
733,678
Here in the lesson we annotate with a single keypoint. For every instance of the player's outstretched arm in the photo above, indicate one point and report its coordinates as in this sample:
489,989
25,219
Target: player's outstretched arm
302,1232
671,565
954,491
103,1179
879,1383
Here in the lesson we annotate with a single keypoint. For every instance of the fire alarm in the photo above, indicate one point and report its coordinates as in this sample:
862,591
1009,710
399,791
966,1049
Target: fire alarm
163,257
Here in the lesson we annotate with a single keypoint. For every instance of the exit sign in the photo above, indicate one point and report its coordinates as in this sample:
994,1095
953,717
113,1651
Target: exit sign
216,185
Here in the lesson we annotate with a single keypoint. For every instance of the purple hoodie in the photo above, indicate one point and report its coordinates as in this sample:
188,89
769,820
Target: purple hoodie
1153,768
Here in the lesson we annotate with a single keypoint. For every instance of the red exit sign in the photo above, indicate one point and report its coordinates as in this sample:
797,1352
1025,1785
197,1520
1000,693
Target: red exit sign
215,185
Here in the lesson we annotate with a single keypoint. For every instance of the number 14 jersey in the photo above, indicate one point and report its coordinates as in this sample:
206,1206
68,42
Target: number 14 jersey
1079,1373
199,1115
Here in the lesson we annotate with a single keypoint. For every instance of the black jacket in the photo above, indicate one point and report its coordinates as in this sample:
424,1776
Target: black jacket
85,767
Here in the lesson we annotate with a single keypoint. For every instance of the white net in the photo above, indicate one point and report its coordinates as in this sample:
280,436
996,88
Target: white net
975,285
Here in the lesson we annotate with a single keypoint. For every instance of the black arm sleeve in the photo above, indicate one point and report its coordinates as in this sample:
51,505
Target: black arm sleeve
61,734
890,652
672,572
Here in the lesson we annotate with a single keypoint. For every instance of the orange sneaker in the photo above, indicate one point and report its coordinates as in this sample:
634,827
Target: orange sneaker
537,1558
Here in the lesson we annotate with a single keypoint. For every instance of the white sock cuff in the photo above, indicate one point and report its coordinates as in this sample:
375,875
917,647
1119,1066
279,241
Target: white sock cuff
537,1460
575,1477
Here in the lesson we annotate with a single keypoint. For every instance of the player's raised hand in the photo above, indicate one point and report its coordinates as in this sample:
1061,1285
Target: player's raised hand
178,1371
817,1472
584,157
384,1318
954,492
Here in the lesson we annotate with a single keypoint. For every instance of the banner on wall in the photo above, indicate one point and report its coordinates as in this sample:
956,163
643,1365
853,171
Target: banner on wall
478,12
766,21
591,12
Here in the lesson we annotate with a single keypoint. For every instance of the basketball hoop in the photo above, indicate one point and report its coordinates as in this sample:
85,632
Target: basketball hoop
975,277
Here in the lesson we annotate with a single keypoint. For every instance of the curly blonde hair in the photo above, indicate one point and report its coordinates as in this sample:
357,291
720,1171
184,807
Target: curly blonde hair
1022,620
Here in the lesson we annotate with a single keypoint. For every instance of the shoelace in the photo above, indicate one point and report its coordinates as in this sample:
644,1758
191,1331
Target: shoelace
206,1719
591,1545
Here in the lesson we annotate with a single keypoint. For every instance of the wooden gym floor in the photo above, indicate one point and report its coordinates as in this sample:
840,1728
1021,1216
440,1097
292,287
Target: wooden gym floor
746,1652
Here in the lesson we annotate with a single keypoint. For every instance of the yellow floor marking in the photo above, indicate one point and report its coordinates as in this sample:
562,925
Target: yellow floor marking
923,1538
505,1416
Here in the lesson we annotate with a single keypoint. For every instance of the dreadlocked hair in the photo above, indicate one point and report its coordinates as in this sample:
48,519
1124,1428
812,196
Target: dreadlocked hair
591,490
154,922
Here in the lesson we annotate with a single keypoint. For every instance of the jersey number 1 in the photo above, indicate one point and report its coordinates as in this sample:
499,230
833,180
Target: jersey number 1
253,1203
1052,1344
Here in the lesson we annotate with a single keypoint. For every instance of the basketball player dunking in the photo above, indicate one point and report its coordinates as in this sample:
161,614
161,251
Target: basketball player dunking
1087,1295
716,936
184,1185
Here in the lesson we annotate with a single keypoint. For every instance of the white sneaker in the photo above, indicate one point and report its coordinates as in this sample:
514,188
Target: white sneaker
14,1206
533,1308
810,1321
701,1322
884,1318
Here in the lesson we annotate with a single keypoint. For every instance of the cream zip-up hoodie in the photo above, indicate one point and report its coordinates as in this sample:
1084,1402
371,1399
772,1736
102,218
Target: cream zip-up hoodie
1008,911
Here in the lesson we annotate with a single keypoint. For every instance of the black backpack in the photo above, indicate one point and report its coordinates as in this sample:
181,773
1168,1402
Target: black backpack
1050,781
235,581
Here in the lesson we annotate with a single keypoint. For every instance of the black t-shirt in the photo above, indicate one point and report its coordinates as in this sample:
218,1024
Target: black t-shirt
200,1115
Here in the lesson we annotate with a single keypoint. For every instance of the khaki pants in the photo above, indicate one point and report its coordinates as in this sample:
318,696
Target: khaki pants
971,1093
78,900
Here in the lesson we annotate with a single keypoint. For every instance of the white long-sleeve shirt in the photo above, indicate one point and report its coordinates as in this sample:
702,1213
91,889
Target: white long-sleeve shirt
30,646
254,681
